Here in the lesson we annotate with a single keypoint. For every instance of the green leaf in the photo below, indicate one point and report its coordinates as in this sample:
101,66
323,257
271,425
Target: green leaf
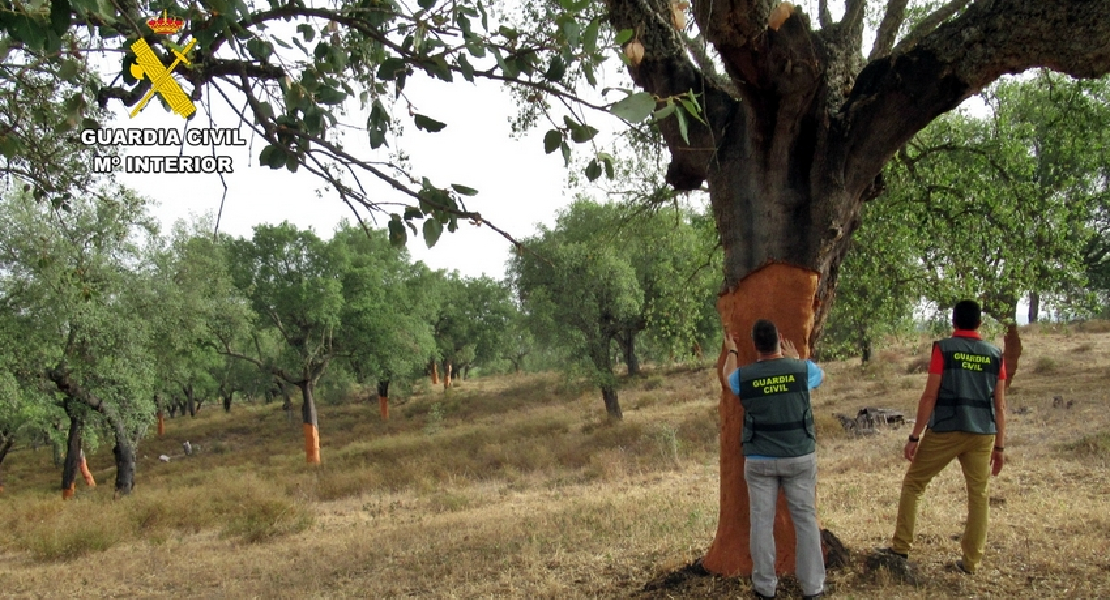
68,71
692,108
552,140
582,134
589,37
291,163
391,68
666,111
61,15
306,31
607,160
566,154
329,95
466,68
432,230
634,108
426,4
593,170
557,69
572,31
428,124
465,191
411,212
260,50
397,234
5,47
272,156
682,126
624,36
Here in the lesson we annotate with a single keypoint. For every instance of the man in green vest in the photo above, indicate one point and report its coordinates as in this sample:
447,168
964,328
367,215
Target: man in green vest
779,452
964,406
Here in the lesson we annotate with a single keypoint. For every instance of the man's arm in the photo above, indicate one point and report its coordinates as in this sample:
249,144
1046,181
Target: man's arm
1000,424
924,411
729,368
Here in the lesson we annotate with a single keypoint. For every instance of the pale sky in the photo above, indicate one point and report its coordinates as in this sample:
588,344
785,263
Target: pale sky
519,185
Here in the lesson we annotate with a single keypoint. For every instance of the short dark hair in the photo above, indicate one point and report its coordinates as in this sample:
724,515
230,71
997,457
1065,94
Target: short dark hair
766,336
966,315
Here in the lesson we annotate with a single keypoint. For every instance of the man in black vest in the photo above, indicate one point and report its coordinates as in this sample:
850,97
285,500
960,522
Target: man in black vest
779,451
964,406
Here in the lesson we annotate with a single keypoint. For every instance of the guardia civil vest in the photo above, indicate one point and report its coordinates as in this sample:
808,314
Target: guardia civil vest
966,398
778,419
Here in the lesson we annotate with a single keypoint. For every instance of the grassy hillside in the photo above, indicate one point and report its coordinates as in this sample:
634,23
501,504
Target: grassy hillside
518,487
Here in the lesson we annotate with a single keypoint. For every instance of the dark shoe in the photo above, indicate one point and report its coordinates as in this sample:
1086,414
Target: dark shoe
959,567
891,552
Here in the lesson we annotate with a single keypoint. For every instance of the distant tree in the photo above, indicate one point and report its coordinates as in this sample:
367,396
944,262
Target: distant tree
472,321
294,282
78,286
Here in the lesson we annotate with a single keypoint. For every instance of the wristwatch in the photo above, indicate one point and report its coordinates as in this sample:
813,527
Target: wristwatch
736,352
915,439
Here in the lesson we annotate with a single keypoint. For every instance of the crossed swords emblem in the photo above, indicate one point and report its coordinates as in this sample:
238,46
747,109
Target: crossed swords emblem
161,78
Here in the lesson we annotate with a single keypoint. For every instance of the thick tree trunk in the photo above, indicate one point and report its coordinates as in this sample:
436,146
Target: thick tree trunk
190,398
227,401
160,414
612,404
73,457
308,416
627,340
1034,306
446,374
785,295
124,455
866,348
173,408
383,399
435,373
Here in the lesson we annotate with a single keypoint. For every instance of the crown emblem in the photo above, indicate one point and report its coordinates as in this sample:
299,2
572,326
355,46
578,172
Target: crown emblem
166,25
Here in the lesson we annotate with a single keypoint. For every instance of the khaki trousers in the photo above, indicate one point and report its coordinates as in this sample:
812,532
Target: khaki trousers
934,453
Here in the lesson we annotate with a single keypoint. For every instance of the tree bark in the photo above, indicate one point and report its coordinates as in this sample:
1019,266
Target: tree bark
866,347
383,399
435,373
191,400
612,404
627,340
1034,306
446,374
73,456
308,416
227,401
786,295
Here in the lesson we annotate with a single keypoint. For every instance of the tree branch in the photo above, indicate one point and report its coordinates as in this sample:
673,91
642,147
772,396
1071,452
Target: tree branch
892,21
930,23
824,17
894,97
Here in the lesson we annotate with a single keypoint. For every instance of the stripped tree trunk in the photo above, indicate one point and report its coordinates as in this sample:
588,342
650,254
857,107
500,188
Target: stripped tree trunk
308,416
383,399
85,472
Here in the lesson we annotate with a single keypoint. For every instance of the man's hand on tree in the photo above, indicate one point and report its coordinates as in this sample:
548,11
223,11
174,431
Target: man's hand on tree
788,350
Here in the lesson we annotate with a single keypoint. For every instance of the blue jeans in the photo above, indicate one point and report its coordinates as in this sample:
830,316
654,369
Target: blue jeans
797,477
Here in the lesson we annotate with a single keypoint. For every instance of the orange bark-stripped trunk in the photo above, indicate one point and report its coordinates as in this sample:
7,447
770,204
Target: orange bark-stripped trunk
312,443
68,492
383,406
85,472
447,375
161,423
435,374
786,295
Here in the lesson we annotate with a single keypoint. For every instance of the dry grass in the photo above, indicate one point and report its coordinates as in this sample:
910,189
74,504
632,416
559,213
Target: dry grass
520,487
